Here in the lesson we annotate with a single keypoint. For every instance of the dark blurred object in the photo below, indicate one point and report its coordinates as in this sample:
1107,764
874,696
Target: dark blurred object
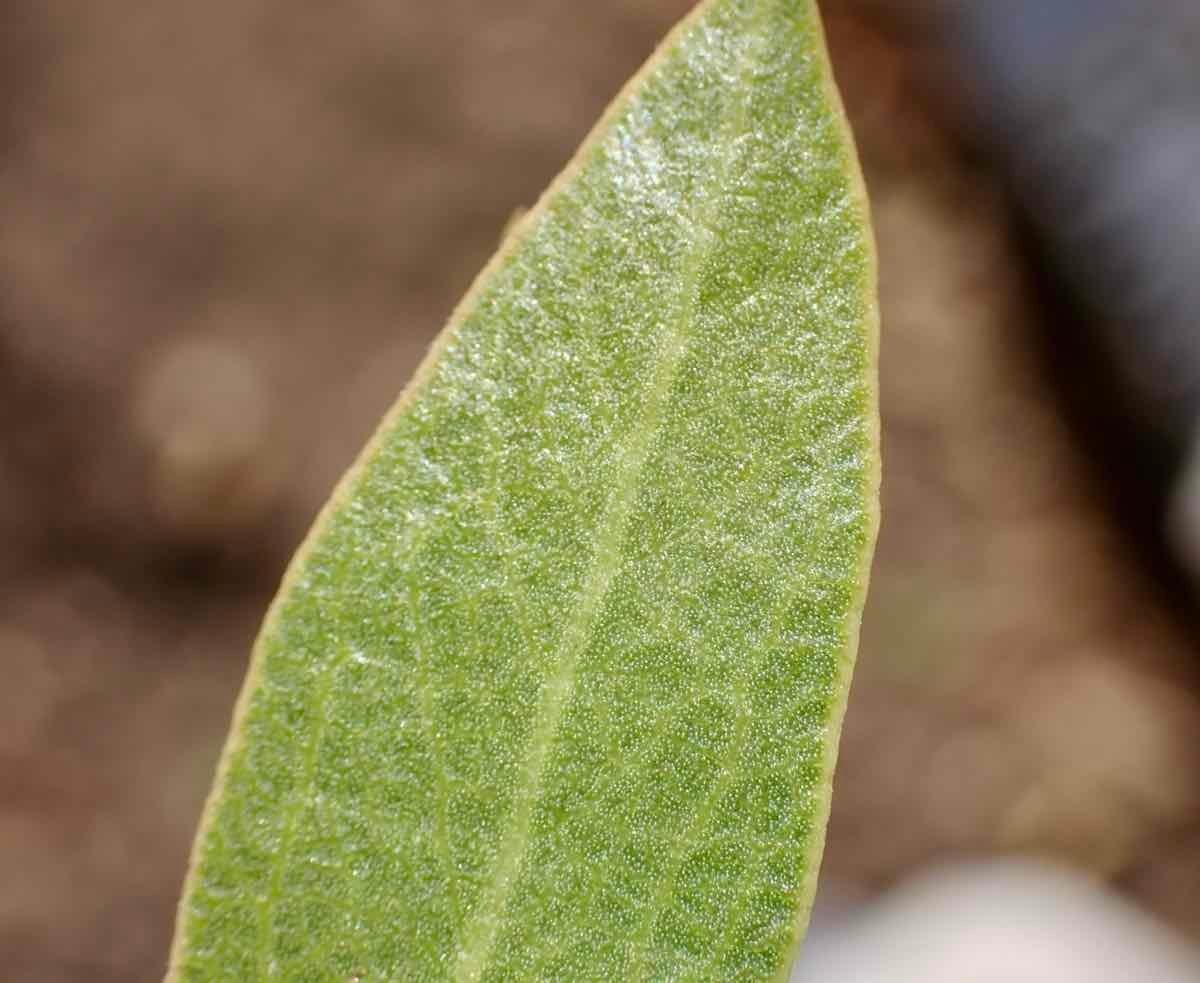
1092,110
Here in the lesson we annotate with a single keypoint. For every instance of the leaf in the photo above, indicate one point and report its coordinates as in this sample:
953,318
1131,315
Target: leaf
553,689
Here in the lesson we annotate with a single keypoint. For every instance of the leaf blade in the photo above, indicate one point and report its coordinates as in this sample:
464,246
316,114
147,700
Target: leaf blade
554,521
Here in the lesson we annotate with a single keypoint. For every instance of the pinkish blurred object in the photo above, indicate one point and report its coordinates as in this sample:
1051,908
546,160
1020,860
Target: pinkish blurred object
1003,921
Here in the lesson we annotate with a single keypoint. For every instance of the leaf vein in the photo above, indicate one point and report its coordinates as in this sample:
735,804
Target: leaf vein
484,923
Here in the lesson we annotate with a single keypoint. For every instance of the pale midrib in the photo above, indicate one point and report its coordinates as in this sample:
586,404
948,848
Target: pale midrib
480,934
640,946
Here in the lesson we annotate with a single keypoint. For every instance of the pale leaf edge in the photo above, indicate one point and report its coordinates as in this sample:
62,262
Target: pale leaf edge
514,234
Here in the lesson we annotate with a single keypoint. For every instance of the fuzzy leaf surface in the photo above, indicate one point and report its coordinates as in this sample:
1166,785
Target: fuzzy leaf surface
553,690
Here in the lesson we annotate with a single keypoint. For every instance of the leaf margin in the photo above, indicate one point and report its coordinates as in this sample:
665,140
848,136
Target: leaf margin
516,230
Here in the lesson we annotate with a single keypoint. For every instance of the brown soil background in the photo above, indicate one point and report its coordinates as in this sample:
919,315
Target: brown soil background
227,233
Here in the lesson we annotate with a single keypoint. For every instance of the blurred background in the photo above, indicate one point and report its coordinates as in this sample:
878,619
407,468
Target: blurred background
229,230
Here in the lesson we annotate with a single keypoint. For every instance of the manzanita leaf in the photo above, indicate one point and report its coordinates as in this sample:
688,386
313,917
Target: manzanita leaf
553,690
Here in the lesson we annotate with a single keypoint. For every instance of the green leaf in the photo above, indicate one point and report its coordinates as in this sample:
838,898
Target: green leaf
553,689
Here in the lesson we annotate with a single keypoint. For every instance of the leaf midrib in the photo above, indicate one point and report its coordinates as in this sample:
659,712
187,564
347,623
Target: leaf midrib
480,935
